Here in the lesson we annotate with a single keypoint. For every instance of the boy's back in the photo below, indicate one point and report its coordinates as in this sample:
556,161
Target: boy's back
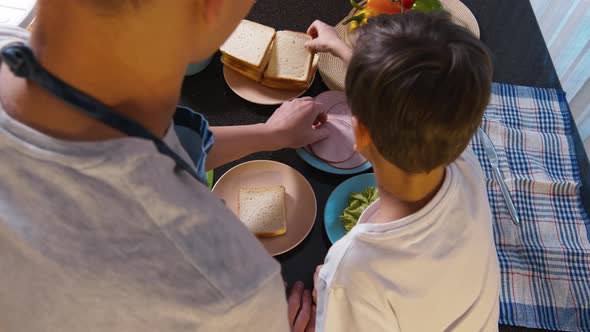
422,258
435,270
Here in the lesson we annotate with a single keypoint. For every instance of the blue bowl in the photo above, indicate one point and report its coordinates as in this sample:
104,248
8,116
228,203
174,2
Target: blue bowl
323,166
338,201
195,68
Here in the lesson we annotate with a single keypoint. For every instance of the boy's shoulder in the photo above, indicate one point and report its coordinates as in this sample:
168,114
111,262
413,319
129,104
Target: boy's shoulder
469,157
462,208
348,262
471,177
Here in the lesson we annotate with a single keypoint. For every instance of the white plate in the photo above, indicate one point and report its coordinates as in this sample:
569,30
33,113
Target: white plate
256,92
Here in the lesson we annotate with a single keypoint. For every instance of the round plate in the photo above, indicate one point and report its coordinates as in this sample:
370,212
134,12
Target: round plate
256,92
338,201
300,199
323,166
333,70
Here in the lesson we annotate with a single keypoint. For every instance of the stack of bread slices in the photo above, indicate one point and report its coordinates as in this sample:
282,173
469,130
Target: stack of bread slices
276,59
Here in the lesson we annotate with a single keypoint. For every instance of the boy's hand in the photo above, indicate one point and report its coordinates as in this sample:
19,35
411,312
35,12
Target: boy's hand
326,39
297,123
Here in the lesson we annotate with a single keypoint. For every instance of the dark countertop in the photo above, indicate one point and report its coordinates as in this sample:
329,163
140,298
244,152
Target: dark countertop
508,27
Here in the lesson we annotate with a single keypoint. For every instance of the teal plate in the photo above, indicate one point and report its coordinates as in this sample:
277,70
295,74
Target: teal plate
323,166
338,201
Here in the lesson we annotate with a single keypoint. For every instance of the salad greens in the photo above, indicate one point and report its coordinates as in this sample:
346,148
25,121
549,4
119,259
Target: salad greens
357,203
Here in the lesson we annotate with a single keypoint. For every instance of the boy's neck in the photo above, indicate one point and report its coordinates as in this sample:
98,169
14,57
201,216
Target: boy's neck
403,194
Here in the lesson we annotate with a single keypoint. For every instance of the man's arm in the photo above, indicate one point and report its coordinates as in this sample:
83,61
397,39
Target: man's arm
295,124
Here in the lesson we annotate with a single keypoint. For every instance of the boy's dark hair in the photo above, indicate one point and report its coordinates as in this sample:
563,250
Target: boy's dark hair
420,84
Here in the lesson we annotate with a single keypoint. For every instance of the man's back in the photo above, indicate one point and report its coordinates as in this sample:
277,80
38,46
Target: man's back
106,236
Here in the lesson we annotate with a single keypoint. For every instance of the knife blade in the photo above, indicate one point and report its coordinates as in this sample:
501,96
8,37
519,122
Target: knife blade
492,155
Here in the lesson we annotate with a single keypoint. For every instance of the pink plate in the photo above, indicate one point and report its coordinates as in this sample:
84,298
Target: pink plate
256,92
339,145
355,161
300,198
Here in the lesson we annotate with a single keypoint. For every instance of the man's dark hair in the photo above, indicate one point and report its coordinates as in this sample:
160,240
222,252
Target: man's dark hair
420,84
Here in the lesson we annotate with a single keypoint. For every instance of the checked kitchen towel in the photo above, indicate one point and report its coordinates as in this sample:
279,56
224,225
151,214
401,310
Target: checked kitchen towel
544,261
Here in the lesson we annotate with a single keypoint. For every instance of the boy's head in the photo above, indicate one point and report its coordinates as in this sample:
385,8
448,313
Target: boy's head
418,85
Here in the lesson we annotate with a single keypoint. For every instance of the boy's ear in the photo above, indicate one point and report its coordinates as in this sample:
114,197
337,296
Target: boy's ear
361,134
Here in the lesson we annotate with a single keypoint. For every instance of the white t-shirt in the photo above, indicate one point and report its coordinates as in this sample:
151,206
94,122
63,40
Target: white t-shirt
435,270
106,236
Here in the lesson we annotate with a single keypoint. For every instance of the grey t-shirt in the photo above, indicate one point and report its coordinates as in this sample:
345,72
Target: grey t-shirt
106,236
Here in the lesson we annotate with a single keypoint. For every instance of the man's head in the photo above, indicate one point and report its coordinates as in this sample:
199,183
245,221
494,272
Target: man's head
129,54
418,86
209,22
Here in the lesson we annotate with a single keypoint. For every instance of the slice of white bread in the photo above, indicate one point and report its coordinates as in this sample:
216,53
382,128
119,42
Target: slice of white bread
253,73
290,85
249,44
290,61
263,210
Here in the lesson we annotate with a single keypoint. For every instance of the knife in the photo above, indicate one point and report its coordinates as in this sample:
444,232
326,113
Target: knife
494,162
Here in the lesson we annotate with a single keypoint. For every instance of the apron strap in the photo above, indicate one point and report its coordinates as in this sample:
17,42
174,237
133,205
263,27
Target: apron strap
21,61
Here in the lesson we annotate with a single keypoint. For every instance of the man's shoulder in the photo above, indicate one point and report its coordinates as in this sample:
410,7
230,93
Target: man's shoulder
188,241
208,234
9,34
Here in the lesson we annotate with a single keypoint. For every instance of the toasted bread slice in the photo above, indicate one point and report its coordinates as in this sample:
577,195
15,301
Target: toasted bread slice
263,210
249,43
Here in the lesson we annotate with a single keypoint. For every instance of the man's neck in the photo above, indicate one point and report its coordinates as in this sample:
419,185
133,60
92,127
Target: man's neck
128,75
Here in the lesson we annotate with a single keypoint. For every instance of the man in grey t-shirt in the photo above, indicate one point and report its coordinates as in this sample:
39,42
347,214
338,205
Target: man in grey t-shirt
98,232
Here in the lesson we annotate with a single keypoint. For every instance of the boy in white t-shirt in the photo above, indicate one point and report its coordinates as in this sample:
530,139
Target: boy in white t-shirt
422,258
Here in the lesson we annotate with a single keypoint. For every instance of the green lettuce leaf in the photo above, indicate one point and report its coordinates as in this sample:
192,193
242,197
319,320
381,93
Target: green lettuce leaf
357,203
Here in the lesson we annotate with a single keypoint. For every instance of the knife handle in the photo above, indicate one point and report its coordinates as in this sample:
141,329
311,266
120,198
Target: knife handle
506,194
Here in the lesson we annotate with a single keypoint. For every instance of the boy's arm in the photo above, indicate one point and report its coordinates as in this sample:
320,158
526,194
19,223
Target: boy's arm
295,124
326,39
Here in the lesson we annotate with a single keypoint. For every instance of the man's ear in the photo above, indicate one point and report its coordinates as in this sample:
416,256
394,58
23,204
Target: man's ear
212,9
361,134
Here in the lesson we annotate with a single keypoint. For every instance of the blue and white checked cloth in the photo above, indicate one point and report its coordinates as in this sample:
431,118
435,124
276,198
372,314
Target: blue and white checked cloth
545,261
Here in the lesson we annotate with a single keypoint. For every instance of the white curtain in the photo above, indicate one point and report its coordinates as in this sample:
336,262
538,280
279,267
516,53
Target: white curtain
566,27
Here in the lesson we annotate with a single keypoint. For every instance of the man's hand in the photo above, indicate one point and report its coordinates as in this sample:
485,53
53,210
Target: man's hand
302,313
297,123
326,39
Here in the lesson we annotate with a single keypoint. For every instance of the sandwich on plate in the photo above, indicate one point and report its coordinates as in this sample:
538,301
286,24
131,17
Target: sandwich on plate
278,60
247,50
291,65
263,210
